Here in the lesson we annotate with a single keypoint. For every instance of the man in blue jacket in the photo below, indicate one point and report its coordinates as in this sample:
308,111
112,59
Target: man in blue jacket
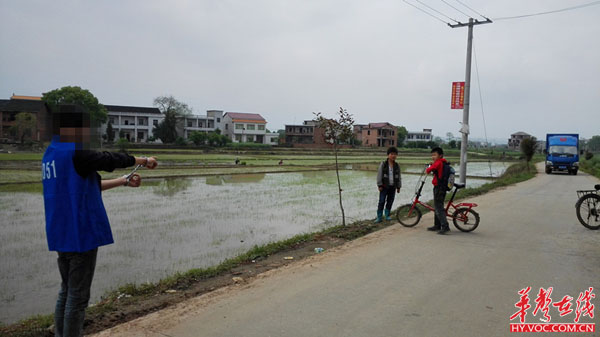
76,221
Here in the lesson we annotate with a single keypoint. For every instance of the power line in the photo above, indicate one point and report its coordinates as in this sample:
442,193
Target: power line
593,3
435,10
474,11
426,12
458,10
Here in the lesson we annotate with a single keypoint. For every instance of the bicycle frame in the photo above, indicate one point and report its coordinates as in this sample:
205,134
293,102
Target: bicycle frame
450,204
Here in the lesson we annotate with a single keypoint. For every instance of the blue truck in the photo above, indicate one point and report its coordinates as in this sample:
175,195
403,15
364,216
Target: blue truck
562,152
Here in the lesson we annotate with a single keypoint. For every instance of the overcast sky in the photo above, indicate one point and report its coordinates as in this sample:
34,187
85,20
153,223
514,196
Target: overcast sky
285,59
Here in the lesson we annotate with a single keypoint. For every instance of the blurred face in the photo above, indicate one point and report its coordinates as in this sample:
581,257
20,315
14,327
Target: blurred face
392,156
75,135
435,156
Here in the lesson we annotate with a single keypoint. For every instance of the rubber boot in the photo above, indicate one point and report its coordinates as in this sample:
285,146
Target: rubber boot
379,214
387,215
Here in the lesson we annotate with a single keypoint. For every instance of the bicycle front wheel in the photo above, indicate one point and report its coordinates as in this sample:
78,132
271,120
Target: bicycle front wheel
408,216
588,211
465,219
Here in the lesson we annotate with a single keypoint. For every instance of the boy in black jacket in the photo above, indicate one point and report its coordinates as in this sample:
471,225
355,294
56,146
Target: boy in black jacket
389,183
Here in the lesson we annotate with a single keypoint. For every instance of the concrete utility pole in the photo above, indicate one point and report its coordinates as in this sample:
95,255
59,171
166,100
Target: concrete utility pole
465,123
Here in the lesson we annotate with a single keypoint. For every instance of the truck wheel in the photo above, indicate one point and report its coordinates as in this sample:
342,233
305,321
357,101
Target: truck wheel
574,172
548,170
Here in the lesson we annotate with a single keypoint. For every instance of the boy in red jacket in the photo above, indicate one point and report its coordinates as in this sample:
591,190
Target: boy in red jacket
439,191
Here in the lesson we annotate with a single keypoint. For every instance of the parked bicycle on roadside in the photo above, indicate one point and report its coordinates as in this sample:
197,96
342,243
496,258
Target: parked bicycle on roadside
588,207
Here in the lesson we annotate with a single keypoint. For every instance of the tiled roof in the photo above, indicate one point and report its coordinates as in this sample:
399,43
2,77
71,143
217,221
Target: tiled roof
31,98
21,105
379,125
123,108
245,116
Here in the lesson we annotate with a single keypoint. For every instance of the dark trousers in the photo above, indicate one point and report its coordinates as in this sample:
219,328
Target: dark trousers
76,272
386,197
439,196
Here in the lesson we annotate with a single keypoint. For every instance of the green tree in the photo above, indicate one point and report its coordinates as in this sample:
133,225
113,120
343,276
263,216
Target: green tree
336,132
123,144
452,144
110,133
402,133
198,138
214,139
173,110
76,95
25,126
593,144
528,147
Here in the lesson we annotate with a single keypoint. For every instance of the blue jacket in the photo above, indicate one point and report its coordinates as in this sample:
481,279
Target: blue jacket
76,220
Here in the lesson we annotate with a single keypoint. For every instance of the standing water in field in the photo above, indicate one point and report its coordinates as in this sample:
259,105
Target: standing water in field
174,225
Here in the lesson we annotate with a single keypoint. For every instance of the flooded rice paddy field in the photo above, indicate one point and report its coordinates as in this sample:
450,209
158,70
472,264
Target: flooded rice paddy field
173,225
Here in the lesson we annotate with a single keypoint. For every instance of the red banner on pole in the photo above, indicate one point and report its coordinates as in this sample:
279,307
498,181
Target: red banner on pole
458,95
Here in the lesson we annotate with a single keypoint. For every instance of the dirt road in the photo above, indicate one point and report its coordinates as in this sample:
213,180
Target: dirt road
410,282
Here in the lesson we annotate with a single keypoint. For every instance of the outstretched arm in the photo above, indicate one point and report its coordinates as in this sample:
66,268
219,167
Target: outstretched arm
107,184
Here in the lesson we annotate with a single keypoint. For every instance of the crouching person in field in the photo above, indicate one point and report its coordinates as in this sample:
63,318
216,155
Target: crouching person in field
389,183
76,221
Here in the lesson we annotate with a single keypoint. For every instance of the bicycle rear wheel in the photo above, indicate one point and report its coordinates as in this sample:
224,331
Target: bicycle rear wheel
588,211
407,217
465,219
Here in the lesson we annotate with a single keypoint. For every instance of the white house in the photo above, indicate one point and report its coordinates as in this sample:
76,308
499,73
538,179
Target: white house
210,122
136,123
418,136
248,127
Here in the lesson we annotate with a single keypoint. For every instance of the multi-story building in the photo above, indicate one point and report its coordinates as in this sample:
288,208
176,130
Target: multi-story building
417,136
210,122
307,134
9,108
514,142
132,122
243,127
376,134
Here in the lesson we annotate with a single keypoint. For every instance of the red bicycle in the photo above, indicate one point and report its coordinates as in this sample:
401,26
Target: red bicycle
463,216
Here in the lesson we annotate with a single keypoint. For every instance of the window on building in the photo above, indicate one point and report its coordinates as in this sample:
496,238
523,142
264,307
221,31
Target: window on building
238,138
189,124
226,126
155,122
140,121
111,120
261,127
239,126
126,122
218,120
250,138
140,136
368,132
200,124
250,127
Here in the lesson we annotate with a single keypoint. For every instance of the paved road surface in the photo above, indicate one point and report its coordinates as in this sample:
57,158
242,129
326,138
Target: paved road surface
410,282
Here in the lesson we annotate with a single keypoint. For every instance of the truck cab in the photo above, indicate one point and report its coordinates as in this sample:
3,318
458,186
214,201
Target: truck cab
562,153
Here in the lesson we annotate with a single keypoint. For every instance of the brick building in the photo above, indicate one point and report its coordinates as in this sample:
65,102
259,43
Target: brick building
9,108
376,134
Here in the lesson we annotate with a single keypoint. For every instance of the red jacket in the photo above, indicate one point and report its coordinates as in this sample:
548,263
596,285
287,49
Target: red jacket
438,167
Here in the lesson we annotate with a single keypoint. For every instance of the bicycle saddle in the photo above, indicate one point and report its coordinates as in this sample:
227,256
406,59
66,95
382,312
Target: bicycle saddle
597,187
459,186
